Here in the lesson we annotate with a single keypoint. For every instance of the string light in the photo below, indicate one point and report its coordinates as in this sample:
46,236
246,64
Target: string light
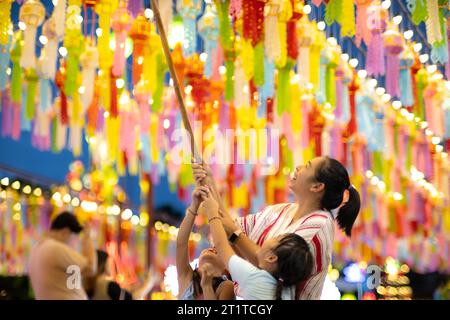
16,185
203,56
135,220
397,19
432,68
5,181
27,189
386,4
417,47
321,25
307,9
362,74
380,91
75,202
22,25
37,192
127,214
62,51
148,13
166,123
396,104
435,140
120,83
424,58
408,34
43,40
353,62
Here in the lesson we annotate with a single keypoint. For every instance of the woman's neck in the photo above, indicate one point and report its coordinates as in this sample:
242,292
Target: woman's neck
304,208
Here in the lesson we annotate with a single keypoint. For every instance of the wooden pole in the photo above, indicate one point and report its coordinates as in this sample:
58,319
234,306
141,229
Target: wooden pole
176,84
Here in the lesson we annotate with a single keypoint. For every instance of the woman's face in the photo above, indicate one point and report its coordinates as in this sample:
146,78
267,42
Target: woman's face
302,181
211,258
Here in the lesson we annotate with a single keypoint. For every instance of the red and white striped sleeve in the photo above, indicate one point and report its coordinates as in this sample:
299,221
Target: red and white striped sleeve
247,223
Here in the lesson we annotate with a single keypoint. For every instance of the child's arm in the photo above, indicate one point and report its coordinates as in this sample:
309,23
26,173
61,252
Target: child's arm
184,269
210,208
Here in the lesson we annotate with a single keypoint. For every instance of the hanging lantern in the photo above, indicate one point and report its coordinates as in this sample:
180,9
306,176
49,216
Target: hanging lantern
189,10
194,76
32,13
104,9
305,39
362,28
348,28
284,15
59,14
208,27
89,65
406,90
393,42
73,42
272,41
121,24
375,51
5,20
48,58
134,7
140,33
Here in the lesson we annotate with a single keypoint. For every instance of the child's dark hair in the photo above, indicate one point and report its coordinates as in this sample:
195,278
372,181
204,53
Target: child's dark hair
295,262
197,278
335,177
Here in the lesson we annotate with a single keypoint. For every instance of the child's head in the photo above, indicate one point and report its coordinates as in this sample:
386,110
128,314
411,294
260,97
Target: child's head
288,258
209,261
209,258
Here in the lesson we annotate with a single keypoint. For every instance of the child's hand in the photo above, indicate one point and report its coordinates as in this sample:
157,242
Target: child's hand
207,276
201,172
209,207
198,195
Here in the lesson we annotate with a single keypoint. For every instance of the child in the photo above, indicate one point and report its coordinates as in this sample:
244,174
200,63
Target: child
208,281
283,262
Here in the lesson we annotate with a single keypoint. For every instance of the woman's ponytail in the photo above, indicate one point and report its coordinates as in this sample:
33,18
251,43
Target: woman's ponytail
348,212
335,177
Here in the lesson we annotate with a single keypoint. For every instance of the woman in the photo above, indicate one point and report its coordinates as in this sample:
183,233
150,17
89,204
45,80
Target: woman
209,280
103,287
323,194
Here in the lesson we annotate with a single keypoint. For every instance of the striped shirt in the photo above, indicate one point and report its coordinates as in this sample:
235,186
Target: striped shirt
317,228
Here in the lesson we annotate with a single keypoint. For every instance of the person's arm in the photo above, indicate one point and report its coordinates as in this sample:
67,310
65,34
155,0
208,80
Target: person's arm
184,270
207,284
243,245
88,251
226,291
210,208
203,176
141,291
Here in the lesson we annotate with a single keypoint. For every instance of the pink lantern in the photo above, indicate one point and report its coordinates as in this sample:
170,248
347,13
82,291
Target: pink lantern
375,51
393,42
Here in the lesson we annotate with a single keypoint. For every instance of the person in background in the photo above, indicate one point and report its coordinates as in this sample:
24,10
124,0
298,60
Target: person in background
55,269
103,287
